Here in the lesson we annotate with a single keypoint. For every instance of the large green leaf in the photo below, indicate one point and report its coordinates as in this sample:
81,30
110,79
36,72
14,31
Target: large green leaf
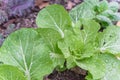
27,51
84,10
55,17
112,67
94,65
10,73
109,40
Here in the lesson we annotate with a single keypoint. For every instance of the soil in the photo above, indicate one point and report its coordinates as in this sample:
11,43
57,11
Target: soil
72,74
28,21
65,75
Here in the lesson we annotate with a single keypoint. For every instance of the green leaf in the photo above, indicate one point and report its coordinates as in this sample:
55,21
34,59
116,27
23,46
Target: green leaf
8,72
70,62
105,21
111,15
55,17
66,42
80,43
89,31
90,2
112,67
89,77
116,17
51,37
82,10
86,36
109,40
94,65
114,6
65,46
101,6
27,51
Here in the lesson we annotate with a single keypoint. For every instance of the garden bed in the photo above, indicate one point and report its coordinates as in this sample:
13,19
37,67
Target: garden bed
95,56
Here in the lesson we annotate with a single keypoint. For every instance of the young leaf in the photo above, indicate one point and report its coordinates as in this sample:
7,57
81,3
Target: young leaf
102,6
55,17
26,50
109,40
79,44
8,72
89,30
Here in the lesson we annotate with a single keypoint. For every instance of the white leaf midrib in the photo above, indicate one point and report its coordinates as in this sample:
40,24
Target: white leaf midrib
58,27
27,72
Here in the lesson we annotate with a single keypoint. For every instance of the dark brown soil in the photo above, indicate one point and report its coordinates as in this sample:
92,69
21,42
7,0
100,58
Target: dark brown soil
65,75
72,74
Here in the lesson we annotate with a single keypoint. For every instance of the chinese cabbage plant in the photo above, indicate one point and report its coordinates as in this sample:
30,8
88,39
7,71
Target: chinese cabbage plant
103,12
30,54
